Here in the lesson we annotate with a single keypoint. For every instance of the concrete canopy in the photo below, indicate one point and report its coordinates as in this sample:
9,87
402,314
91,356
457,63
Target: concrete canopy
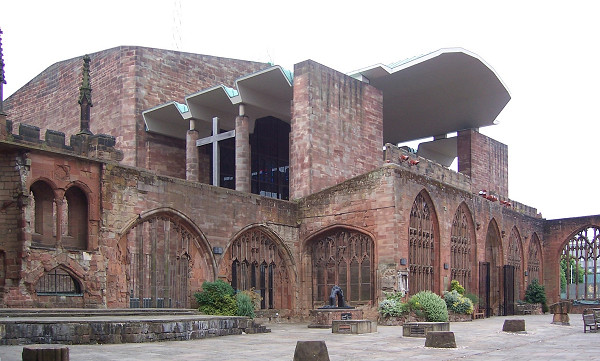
436,94
267,92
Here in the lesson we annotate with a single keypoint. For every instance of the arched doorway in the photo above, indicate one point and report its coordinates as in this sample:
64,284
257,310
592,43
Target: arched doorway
342,257
580,265
256,261
489,272
165,253
423,245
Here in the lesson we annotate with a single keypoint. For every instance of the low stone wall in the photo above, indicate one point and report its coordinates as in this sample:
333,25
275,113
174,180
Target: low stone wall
528,309
130,331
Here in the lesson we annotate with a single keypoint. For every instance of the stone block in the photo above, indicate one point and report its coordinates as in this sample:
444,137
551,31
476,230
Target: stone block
45,353
440,339
514,325
420,329
353,326
311,351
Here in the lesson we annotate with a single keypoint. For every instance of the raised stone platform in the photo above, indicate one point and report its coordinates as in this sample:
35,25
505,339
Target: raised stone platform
324,317
353,326
420,329
83,326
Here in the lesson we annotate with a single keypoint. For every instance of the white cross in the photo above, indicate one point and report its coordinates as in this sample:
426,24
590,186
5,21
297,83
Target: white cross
214,139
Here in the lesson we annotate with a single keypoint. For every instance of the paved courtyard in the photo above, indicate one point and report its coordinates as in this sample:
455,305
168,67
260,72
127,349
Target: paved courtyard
477,340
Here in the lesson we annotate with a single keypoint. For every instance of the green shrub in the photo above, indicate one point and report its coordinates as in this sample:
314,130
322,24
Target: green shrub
216,298
536,293
455,286
245,306
458,303
473,297
393,305
429,305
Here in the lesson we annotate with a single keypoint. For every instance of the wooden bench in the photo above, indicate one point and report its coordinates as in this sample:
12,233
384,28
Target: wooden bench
478,313
589,322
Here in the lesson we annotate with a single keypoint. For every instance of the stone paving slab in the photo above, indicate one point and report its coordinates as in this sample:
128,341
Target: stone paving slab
476,340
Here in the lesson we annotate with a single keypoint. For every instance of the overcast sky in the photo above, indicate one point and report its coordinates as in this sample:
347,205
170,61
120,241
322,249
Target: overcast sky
546,53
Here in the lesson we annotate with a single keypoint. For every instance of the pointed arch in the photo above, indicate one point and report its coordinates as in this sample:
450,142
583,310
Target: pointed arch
257,259
59,281
490,271
168,257
423,248
514,255
344,256
579,264
463,246
534,259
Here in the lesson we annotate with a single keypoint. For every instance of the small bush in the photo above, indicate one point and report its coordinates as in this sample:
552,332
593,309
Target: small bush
455,286
254,296
473,297
458,303
245,307
393,306
430,305
536,293
216,298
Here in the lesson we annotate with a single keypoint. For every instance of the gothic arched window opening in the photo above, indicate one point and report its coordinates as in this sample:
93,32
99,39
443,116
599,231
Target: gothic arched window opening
159,257
515,259
421,252
343,258
58,282
460,247
257,265
534,260
579,265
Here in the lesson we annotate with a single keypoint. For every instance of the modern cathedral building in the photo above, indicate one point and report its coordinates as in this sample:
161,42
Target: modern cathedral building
130,177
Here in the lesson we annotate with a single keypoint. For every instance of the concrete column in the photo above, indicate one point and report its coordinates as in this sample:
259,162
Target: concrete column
242,153
191,154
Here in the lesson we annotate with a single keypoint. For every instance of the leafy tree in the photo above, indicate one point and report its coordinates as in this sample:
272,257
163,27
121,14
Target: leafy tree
536,293
575,270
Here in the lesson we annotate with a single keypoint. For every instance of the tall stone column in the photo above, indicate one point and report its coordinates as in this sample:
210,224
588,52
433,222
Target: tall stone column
191,154
242,153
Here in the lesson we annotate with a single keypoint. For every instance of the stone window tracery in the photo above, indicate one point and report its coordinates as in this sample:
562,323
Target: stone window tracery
343,258
534,260
159,261
257,264
579,263
421,252
514,256
460,248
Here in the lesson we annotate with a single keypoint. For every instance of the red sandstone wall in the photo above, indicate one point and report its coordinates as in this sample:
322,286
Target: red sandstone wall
125,80
219,213
379,204
556,233
337,129
485,160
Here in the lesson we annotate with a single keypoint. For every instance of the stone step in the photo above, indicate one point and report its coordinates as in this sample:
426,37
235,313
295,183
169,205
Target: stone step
80,312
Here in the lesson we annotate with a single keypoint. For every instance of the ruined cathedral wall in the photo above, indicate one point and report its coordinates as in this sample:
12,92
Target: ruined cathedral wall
26,256
337,129
556,234
219,214
362,204
125,81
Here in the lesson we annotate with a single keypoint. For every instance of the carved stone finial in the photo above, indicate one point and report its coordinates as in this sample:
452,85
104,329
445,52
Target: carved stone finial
85,97
2,79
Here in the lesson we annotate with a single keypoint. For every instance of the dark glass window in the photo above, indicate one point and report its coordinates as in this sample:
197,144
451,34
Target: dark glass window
270,158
